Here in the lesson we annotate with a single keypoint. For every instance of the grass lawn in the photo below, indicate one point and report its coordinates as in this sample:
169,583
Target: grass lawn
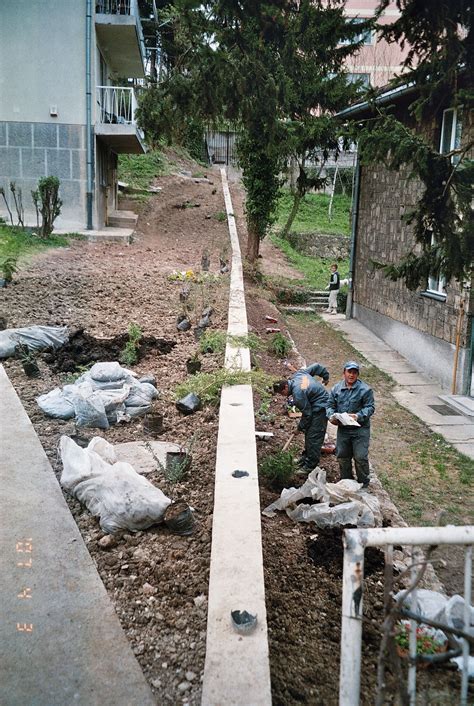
139,170
312,216
21,244
315,270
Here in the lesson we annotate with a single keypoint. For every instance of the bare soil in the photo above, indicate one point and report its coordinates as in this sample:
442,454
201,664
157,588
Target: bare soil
159,581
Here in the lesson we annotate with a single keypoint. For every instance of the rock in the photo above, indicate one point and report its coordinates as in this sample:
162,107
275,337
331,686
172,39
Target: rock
139,650
156,683
200,601
190,676
148,589
184,686
140,554
107,542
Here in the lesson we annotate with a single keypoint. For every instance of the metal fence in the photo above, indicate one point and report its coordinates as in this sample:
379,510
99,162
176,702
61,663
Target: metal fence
116,105
222,147
355,542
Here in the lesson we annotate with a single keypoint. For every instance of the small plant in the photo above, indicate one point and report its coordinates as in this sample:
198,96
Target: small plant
18,199
49,203
129,355
278,469
220,216
263,412
176,471
2,193
213,342
280,345
342,299
27,357
9,266
208,386
428,641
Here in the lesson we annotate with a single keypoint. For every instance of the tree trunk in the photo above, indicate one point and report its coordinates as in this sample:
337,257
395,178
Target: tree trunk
294,210
253,243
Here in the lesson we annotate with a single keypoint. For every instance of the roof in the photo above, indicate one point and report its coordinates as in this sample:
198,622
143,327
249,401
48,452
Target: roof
385,96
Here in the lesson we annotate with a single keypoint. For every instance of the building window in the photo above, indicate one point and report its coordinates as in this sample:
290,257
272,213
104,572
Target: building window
451,129
367,36
436,287
363,79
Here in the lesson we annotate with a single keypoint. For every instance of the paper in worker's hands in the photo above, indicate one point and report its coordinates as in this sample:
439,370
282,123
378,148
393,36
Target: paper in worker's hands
345,419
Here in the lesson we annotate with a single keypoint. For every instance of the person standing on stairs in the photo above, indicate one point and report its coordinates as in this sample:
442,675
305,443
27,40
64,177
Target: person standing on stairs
333,286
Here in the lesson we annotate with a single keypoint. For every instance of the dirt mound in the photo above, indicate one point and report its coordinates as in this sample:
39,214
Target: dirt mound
84,349
327,552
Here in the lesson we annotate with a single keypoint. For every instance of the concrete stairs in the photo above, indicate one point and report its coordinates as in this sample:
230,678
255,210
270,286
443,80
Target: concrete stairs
317,300
122,219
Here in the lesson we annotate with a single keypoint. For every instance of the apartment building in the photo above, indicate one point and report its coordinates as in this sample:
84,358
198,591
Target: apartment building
66,107
377,61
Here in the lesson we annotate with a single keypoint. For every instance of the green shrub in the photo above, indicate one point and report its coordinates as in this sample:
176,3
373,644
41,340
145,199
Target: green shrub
215,341
278,469
47,201
280,345
8,267
342,299
208,386
129,355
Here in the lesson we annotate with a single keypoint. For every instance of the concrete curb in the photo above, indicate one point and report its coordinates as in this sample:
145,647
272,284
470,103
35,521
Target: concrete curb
237,669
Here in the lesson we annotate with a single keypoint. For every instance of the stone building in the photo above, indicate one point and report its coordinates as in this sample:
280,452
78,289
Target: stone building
424,325
66,108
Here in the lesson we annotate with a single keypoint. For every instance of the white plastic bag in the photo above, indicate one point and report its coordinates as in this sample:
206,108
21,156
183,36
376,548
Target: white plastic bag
324,516
116,493
35,337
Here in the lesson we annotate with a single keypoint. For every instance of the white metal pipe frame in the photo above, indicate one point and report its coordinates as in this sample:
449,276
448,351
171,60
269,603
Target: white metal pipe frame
355,542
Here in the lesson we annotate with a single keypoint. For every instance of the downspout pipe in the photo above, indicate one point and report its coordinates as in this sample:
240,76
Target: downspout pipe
355,218
89,150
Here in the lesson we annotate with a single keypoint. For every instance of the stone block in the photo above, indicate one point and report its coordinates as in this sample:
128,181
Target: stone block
45,135
10,162
3,133
78,164
33,163
20,134
58,163
71,136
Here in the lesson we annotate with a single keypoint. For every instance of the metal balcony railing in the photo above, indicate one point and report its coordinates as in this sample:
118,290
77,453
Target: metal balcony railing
116,105
116,7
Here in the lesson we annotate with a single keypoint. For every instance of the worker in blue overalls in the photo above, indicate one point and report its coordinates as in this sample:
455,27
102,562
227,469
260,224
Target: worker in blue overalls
310,397
355,397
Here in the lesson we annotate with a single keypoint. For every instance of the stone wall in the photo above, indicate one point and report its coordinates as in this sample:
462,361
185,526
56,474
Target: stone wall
330,247
29,151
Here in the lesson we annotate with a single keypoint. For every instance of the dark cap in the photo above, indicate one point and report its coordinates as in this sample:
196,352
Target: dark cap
351,365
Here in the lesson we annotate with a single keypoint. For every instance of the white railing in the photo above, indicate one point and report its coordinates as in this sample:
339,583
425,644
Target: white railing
355,542
116,7
116,105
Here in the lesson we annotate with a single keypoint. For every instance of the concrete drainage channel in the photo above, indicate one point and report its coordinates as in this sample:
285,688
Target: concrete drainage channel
237,669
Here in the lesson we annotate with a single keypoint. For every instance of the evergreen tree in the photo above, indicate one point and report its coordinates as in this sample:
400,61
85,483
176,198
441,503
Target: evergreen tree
272,67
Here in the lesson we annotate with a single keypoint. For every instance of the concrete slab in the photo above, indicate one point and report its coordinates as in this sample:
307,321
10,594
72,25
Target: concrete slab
237,668
145,456
415,380
466,449
455,433
104,235
62,641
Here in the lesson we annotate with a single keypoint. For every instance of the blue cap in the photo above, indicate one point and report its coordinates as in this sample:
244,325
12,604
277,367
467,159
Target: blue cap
351,365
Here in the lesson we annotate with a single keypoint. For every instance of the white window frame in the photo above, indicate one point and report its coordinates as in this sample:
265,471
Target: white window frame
455,137
368,34
436,283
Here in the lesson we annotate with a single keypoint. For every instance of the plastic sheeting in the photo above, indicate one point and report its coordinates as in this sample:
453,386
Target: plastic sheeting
37,338
340,504
111,490
102,396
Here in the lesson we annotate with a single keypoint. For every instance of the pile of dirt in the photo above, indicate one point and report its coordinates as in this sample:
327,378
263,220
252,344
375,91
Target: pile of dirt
82,350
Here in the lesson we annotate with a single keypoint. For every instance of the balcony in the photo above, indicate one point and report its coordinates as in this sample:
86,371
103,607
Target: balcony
120,36
115,119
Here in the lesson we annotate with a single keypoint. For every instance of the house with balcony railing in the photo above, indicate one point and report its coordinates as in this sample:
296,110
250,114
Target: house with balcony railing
68,107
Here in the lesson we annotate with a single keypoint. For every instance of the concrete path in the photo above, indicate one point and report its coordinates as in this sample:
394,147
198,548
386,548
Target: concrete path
60,640
419,394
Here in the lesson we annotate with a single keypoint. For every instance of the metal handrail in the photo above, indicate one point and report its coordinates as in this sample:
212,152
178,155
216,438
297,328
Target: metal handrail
116,105
355,542
115,7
